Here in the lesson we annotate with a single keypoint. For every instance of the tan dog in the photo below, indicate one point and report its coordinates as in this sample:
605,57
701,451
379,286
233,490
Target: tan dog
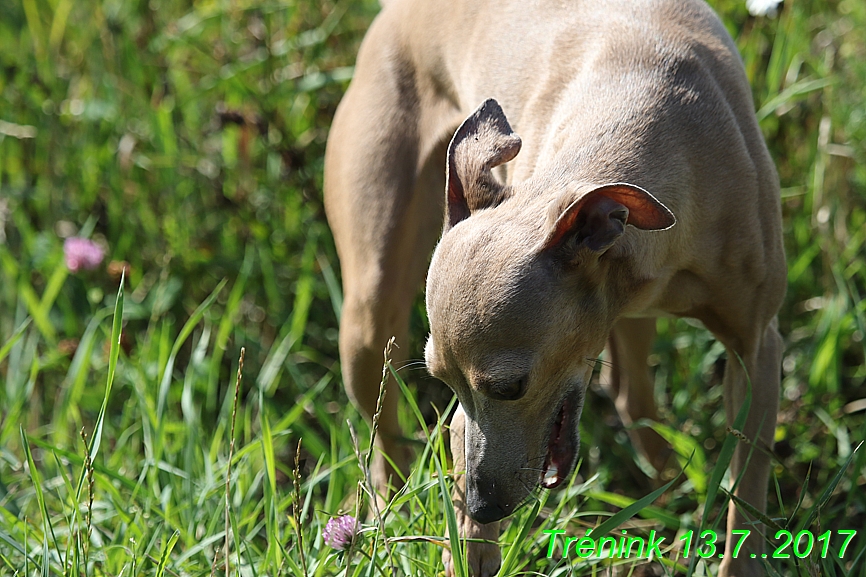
630,112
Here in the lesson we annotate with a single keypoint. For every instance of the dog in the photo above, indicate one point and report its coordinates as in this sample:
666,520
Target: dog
639,186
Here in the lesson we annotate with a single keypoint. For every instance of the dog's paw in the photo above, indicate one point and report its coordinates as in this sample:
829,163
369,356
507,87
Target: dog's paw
483,560
741,567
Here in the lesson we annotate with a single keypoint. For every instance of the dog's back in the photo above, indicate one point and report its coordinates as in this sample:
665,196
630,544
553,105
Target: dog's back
649,91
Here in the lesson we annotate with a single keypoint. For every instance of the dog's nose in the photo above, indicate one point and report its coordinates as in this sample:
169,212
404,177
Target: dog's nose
486,511
485,503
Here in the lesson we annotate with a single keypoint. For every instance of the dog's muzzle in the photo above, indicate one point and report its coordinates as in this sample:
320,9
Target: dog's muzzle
485,501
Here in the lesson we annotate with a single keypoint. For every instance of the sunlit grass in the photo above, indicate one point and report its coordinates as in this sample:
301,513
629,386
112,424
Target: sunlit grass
158,495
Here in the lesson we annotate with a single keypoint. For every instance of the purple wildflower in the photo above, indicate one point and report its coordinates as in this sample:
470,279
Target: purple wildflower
82,253
340,531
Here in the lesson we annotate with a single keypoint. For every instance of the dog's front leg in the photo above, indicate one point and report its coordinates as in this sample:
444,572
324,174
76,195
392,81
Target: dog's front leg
762,364
483,558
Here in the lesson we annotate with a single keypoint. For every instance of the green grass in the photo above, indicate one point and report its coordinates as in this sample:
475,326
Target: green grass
187,138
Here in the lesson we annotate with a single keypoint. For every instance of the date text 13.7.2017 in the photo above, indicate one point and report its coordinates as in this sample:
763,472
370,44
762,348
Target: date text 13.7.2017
800,544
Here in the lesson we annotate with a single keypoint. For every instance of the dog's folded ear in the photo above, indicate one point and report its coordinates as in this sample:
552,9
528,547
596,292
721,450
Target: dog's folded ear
595,216
483,141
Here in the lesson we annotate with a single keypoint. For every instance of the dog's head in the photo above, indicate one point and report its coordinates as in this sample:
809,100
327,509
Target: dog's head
519,306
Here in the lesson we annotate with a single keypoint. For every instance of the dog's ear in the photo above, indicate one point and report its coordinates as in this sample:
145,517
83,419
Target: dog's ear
596,216
483,141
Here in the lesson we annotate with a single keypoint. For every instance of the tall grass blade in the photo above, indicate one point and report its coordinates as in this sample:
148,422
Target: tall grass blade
16,336
685,445
669,520
624,515
794,91
48,529
335,291
828,491
271,495
803,493
509,564
166,552
187,329
113,354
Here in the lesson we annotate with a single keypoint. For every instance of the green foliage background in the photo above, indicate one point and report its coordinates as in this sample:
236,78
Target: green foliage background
187,138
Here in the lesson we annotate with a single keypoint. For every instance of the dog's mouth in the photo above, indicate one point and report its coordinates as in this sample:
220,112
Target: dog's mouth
561,448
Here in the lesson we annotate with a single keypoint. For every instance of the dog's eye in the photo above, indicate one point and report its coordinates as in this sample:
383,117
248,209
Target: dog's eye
509,391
